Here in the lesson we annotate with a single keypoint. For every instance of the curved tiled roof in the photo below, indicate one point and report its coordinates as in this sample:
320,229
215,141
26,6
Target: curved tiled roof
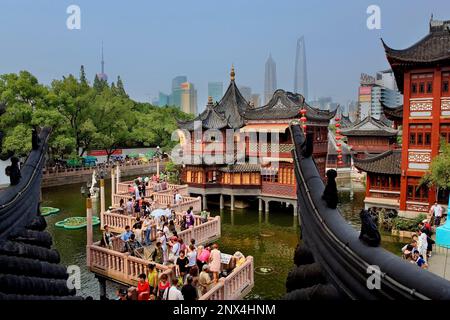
388,162
287,105
369,126
225,113
432,49
394,114
232,111
242,167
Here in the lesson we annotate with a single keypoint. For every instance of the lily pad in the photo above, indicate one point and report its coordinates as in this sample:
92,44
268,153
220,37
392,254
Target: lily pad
76,222
45,211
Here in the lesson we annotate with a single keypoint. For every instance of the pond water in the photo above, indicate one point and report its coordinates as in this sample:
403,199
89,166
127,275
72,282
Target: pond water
271,239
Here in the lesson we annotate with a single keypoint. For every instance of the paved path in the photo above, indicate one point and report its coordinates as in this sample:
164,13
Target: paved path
439,263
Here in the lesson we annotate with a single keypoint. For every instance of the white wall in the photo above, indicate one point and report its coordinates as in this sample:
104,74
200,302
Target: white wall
4,179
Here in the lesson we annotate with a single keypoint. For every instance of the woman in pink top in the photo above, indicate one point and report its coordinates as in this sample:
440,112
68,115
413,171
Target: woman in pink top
215,262
202,256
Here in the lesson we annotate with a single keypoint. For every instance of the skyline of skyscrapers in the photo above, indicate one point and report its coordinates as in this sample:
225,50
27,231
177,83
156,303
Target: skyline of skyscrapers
300,70
215,90
270,78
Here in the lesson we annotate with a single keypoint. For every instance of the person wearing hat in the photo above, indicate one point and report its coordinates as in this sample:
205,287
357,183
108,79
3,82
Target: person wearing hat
204,280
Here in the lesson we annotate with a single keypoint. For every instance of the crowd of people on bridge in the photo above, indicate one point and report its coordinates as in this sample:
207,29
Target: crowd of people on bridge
419,250
193,271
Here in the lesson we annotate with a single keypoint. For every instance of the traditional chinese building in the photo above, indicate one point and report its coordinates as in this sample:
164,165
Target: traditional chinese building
422,72
269,178
370,136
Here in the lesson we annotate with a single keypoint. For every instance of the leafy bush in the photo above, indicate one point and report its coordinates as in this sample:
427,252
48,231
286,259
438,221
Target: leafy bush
406,224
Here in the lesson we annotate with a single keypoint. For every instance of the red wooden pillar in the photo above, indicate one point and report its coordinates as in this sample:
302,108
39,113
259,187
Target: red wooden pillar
435,126
405,139
368,185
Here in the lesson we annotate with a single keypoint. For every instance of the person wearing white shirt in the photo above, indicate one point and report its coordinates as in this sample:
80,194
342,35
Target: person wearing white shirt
422,244
436,211
178,198
174,293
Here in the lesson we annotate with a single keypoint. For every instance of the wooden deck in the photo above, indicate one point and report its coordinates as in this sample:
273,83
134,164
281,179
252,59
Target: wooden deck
114,265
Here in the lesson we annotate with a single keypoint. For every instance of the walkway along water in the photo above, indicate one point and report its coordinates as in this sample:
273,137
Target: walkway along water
111,264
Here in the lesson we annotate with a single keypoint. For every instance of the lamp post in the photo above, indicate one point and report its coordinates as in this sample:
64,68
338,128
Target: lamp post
89,230
102,196
158,158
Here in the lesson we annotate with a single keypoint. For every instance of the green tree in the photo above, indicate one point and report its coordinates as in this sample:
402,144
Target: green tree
73,100
99,84
439,174
120,88
113,121
23,95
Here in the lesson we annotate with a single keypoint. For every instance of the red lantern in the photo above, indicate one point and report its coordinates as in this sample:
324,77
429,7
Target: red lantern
337,125
339,156
338,138
340,162
304,127
303,111
337,119
338,131
338,144
303,119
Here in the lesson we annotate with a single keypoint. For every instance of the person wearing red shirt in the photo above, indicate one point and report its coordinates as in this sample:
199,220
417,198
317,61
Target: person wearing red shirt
143,285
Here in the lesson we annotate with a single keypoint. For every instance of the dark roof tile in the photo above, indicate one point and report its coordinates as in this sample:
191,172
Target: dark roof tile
388,162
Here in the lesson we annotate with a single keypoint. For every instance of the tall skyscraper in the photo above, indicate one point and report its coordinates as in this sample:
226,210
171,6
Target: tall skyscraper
102,75
215,90
301,76
175,96
376,90
246,92
188,98
163,99
270,79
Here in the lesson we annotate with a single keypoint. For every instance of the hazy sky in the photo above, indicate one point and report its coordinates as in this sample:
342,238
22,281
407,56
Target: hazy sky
150,42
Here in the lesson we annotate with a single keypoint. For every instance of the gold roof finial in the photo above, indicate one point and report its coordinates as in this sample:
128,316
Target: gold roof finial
210,100
232,74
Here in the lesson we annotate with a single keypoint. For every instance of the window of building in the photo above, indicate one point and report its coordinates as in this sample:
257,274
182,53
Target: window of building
445,83
417,192
421,87
419,135
445,86
421,84
445,132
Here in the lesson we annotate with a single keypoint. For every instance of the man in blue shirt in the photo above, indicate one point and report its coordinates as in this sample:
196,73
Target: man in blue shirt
125,236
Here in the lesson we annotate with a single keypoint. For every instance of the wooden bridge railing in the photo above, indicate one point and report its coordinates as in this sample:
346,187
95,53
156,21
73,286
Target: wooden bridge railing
117,222
122,267
164,199
235,286
118,266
